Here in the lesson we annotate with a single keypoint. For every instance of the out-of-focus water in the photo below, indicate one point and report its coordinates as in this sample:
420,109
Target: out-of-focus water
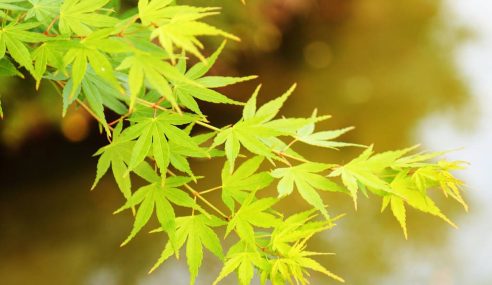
468,250
396,71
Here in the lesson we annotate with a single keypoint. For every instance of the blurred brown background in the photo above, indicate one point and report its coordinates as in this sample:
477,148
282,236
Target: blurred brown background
402,72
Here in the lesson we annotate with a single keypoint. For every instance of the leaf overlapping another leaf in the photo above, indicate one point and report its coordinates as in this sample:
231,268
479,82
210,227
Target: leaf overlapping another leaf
236,186
257,129
197,231
161,198
135,68
14,37
176,25
81,17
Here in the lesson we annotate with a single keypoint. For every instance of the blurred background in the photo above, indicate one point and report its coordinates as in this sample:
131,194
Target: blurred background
402,72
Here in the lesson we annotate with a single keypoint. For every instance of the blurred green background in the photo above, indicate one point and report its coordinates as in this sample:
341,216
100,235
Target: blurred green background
402,72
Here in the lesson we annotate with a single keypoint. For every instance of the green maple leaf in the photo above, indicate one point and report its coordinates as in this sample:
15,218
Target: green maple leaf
398,209
180,153
159,197
420,159
49,54
438,175
307,181
154,134
8,69
109,95
81,17
186,93
151,69
405,191
9,5
252,213
429,174
365,171
243,260
293,266
13,38
117,156
44,10
324,138
95,100
97,91
235,186
296,227
87,53
197,231
257,130
176,25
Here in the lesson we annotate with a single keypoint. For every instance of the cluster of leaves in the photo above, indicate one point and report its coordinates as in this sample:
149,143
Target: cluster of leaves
136,65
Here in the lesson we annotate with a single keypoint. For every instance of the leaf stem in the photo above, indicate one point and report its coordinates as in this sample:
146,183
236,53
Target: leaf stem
50,26
193,209
156,106
289,145
283,155
210,190
197,194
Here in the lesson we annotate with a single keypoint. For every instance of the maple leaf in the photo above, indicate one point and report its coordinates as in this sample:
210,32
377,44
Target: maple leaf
294,265
8,69
307,181
160,197
197,231
88,53
154,134
136,64
257,129
177,25
180,153
296,227
243,260
365,171
186,93
235,186
44,10
8,5
324,138
81,17
48,54
13,38
252,213
405,191
117,156
157,73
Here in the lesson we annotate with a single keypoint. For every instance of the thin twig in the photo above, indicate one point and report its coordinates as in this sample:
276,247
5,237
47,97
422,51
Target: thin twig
50,26
154,105
197,194
210,190
283,154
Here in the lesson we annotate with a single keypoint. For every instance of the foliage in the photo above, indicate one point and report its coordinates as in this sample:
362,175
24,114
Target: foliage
137,65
